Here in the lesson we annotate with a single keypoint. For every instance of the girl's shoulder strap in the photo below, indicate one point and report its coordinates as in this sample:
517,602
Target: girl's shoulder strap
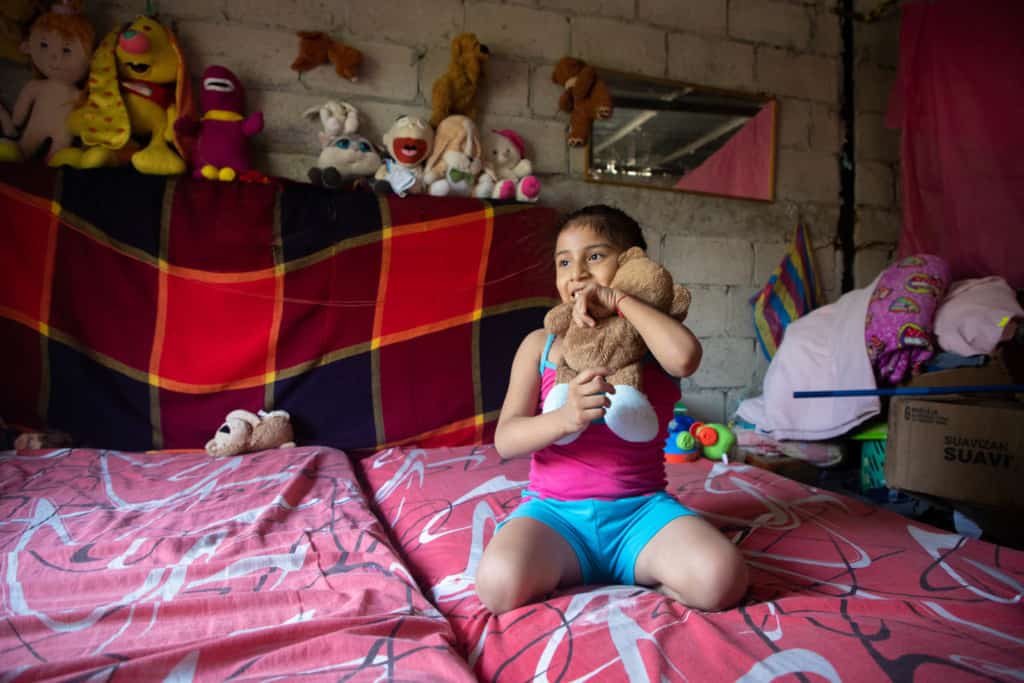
544,362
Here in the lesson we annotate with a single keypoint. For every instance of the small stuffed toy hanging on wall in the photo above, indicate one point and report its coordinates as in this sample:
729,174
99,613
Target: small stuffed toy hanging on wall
316,48
59,44
221,151
586,97
454,92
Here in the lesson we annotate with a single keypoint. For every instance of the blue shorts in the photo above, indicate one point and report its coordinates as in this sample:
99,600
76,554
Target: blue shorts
606,535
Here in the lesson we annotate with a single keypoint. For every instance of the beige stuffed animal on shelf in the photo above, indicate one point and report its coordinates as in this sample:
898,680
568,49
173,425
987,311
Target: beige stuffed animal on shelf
616,344
455,163
245,432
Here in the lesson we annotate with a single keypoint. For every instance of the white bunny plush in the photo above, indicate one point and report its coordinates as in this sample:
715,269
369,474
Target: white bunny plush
346,159
337,118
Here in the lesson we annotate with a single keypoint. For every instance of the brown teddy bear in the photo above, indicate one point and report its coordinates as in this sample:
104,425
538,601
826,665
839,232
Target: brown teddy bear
586,97
616,344
316,48
454,92
245,432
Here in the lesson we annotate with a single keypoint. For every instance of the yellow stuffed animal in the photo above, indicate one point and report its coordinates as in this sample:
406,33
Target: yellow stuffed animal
454,92
15,18
138,86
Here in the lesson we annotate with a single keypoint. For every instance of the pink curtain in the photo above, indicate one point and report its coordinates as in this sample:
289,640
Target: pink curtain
743,166
959,98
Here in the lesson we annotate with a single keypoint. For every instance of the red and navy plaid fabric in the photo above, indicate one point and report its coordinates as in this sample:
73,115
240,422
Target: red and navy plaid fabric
136,312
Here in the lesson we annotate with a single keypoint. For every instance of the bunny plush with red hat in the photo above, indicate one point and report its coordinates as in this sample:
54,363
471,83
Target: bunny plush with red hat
507,173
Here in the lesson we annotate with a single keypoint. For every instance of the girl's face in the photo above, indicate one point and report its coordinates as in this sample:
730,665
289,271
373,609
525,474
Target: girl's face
583,256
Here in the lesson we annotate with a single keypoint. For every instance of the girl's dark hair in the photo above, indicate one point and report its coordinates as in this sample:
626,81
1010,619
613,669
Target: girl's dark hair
607,221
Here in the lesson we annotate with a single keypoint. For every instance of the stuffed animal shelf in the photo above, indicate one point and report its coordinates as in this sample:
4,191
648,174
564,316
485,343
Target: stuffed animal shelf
507,173
59,45
616,344
138,87
245,432
455,163
586,97
347,160
408,143
221,151
316,48
454,92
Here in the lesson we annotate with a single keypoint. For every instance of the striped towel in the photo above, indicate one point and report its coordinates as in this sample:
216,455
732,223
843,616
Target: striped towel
792,290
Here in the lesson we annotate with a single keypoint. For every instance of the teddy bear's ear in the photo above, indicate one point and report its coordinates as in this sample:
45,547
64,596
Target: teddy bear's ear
680,303
630,254
244,416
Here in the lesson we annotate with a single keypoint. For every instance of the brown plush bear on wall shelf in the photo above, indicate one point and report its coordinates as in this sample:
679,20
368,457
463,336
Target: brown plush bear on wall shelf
454,92
586,97
616,344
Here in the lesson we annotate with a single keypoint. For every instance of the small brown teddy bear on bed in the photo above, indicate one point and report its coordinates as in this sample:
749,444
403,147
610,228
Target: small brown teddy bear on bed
245,432
616,344
454,92
586,97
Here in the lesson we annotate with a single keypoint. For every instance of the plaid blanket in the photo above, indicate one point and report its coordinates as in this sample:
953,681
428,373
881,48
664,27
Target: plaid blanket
137,311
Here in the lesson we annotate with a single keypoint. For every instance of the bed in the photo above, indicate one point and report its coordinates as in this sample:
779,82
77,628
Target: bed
135,312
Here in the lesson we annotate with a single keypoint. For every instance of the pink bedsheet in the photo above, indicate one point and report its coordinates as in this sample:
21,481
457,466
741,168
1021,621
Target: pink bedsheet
840,590
140,567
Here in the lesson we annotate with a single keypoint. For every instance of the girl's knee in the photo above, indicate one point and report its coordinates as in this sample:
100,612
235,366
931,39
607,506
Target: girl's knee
718,583
502,584
725,580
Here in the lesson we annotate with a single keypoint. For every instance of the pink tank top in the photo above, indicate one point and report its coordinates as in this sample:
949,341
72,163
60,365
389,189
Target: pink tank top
599,464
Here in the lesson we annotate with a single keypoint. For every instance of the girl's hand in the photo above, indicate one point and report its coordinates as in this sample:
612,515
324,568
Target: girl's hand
587,400
592,302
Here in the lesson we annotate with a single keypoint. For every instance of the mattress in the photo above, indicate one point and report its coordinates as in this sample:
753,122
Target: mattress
134,566
839,590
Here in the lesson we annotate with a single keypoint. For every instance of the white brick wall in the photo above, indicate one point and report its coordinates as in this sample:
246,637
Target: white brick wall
723,249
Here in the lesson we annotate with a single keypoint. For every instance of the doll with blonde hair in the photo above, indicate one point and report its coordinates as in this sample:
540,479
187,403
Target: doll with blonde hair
59,45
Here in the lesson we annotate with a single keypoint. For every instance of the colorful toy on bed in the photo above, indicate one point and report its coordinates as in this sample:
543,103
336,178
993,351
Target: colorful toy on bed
408,143
59,44
615,343
138,87
223,130
454,92
688,438
246,432
347,160
507,173
455,163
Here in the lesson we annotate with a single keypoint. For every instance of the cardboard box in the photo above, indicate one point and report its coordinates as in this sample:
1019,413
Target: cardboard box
961,449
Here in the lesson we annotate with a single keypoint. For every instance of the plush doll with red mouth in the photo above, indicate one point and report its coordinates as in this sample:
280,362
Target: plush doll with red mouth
221,149
409,142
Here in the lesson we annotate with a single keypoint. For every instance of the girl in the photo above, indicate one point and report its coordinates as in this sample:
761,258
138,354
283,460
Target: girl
596,510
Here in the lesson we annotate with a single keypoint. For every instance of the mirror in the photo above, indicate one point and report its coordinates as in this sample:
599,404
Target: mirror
678,136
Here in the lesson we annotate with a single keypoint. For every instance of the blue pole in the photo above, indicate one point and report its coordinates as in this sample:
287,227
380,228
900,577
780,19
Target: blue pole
914,391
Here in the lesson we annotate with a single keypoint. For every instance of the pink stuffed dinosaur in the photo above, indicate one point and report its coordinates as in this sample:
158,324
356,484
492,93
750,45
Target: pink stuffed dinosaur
221,150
